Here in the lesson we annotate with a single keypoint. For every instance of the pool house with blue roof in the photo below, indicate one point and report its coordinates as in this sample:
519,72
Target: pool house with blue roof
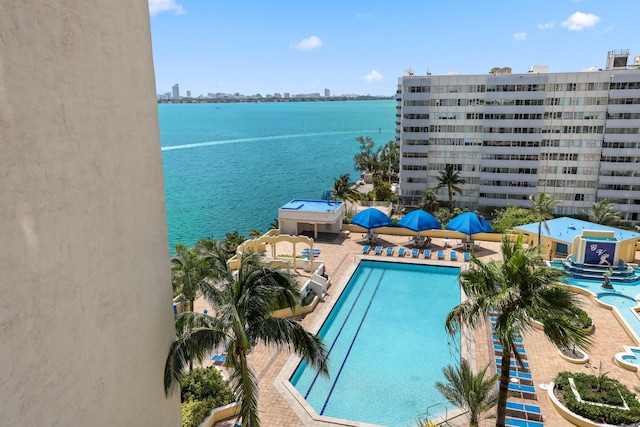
314,216
582,239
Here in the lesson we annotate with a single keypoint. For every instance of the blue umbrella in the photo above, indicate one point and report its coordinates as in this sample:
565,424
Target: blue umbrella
469,223
419,220
371,218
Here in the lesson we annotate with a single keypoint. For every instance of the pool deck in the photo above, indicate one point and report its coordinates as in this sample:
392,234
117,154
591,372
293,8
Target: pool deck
279,408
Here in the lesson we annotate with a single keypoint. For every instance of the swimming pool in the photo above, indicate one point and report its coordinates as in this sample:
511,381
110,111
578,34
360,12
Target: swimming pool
387,345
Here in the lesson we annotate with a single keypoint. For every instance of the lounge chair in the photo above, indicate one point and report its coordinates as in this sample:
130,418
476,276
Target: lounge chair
440,254
427,253
390,251
466,256
219,359
415,252
401,252
366,249
524,378
497,349
518,422
454,256
526,391
378,250
516,340
524,411
513,364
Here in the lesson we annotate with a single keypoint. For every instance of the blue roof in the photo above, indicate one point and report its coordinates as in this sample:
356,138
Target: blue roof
566,229
312,205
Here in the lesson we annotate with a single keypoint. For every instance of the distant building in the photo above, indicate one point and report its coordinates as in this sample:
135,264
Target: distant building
287,95
175,90
573,135
188,94
327,93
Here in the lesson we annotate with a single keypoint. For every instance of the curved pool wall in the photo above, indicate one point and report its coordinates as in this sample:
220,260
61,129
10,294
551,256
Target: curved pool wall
387,345
622,299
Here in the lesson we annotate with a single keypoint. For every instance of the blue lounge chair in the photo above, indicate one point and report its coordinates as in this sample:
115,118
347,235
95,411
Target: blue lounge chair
526,391
219,359
401,252
378,250
518,422
466,256
513,364
440,254
523,411
454,256
516,340
315,251
427,253
497,349
525,378
366,249
415,252
390,251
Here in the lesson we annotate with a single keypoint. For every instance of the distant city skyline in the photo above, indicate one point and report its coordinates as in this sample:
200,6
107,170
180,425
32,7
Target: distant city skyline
363,47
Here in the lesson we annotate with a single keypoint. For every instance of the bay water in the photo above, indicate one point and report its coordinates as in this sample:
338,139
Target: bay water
229,167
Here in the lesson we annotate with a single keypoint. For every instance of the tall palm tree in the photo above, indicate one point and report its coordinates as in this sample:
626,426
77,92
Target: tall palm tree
450,178
187,273
516,289
243,302
472,393
542,205
603,212
344,189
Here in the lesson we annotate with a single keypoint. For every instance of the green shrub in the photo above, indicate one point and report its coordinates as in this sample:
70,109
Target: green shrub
194,412
609,394
203,384
202,390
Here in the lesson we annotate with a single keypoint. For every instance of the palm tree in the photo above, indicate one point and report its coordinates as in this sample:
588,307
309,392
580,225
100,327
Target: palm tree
516,289
344,189
187,272
243,302
450,179
542,205
603,212
472,393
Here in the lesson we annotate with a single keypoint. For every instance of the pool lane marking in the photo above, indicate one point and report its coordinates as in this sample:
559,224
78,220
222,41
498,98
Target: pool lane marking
364,316
340,330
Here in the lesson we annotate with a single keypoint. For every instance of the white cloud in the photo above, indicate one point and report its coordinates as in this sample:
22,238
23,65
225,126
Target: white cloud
308,44
364,15
520,36
373,76
578,21
547,26
157,6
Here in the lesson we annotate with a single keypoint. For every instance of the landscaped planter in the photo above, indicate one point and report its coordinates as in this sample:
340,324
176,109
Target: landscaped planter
579,359
221,413
567,414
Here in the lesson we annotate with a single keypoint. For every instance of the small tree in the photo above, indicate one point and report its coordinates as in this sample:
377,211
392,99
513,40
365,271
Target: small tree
344,189
542,205
429,202
472,393
512,216
603,212
450,179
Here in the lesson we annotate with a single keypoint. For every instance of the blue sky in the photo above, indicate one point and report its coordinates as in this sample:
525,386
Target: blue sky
362,47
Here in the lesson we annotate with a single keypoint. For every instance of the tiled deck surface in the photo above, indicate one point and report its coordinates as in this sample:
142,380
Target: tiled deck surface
278,408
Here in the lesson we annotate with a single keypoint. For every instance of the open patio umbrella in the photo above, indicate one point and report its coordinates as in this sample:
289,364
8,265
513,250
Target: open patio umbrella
469,223
419,220
371,218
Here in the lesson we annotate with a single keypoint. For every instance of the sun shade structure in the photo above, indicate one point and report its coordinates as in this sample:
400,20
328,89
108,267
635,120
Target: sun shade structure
371,218
419,220
469,223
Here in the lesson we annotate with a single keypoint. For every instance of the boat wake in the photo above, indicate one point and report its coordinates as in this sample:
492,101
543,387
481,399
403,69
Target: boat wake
264,138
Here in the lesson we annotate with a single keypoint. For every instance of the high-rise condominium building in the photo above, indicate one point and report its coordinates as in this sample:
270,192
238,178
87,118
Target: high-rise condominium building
573,135
175,90
327,93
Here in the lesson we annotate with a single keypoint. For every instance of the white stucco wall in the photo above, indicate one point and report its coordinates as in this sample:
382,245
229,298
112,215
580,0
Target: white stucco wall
85,294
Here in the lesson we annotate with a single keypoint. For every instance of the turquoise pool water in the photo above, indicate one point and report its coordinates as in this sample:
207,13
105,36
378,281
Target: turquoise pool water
387,345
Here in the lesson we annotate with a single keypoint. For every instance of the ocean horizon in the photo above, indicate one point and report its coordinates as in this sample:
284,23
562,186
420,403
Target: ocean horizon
230,167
